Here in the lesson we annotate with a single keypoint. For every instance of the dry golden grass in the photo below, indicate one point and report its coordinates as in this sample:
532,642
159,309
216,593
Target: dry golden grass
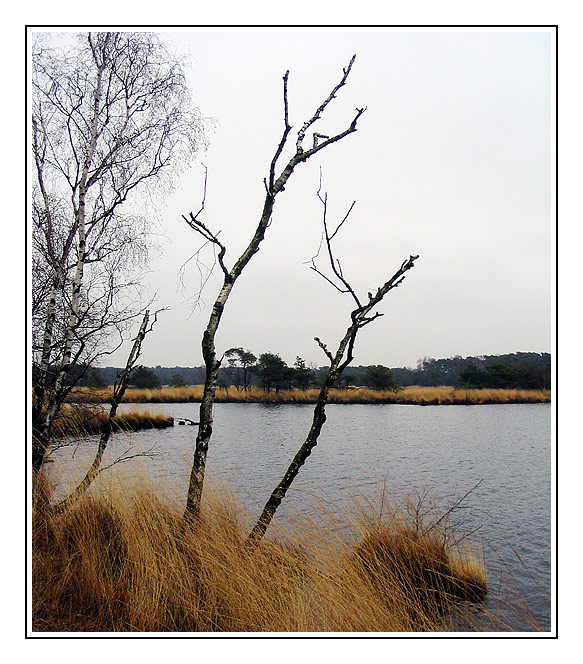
127,562
443,395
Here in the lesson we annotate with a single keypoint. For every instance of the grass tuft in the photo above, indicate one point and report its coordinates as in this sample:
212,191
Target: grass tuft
415,573
126,561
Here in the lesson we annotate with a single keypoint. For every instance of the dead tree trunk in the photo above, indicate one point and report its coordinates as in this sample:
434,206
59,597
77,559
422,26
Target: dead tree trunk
273,186
360,317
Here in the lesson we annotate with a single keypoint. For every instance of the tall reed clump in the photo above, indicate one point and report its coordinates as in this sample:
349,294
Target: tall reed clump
127,562
415,574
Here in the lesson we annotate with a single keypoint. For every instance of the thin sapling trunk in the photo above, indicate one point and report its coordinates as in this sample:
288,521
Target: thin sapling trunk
119,390
359,317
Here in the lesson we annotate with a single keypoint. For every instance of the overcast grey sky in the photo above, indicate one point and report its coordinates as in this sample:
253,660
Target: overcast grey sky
451,161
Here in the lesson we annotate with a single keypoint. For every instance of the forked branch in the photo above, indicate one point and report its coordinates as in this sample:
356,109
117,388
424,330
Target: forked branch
196,224
318,114
343,286
274,184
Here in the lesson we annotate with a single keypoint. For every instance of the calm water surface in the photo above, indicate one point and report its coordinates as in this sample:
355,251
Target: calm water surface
364,449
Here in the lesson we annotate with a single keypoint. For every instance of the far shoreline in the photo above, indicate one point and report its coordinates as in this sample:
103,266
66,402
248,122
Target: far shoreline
411,395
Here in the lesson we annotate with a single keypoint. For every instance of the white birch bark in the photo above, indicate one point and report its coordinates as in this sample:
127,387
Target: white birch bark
54,402
110,117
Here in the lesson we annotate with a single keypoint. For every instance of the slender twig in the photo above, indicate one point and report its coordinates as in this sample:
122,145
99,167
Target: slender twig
151,453
456,504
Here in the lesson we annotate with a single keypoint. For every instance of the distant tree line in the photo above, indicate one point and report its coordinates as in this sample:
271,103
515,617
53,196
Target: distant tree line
513,370
241,369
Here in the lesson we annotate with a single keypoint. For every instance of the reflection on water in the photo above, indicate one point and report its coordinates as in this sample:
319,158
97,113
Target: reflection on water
365,449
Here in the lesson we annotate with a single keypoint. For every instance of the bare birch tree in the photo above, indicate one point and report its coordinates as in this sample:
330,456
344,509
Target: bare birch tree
362,315
112,119
274,184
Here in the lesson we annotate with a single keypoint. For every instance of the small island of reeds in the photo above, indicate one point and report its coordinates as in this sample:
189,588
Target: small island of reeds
84,419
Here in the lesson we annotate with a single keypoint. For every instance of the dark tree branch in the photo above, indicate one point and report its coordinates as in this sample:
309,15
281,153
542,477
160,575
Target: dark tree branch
361,316
150,453
320,110
194,222
286,130
324,348
327,238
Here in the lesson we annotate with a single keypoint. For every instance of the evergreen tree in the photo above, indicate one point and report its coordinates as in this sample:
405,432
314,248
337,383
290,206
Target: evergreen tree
144,378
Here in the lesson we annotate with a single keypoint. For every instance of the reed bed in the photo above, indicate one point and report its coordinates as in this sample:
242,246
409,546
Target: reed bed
83,419
127,561
424,396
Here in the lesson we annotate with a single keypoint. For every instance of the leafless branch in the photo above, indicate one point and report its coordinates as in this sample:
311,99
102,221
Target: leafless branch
150,453
286,130
196,224
203,276
321,108
327,238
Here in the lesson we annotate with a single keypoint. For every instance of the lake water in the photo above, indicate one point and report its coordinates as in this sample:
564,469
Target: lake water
404,450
